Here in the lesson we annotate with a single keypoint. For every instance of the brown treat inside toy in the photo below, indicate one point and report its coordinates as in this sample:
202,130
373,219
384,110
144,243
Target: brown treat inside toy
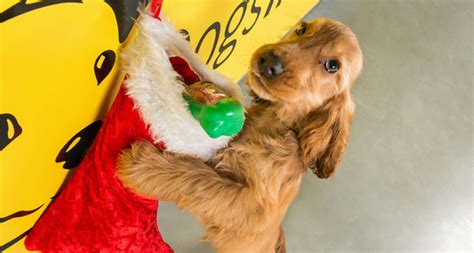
205,92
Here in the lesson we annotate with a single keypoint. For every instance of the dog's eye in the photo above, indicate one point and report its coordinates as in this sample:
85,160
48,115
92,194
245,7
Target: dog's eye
301,30
331,66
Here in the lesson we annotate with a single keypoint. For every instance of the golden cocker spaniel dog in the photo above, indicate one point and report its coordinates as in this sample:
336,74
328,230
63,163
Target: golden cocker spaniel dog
299,119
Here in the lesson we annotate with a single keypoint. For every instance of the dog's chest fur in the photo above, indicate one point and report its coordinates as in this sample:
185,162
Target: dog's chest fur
267,152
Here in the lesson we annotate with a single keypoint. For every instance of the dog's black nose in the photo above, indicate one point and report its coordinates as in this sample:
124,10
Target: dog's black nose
270,65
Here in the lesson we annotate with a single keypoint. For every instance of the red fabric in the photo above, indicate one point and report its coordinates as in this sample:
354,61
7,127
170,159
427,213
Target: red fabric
94,211
155,8
182,67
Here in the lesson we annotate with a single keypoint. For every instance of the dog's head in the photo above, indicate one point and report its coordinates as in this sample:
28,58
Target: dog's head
306,77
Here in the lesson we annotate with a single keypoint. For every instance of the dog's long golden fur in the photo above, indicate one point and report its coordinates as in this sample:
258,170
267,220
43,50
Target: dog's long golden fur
300,119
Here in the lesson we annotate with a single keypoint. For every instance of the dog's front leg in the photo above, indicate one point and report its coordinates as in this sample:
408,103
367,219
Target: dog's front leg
183,179
161,175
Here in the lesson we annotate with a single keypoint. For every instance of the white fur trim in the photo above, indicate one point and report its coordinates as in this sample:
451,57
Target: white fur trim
157,91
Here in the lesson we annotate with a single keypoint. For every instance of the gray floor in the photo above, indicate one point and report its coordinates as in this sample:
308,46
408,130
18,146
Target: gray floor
405,184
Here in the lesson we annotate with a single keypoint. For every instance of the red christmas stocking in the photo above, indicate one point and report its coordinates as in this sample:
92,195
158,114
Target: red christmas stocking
95,212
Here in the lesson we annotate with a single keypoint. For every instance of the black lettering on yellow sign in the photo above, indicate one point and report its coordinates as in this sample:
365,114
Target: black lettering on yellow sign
216,27
76,148
7,133
269,7
227,46
255,10
228,32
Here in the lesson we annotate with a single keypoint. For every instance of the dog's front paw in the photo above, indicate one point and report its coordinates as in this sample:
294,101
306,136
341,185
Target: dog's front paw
132,166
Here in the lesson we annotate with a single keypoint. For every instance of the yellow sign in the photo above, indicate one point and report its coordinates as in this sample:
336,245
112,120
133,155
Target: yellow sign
226,33
59,72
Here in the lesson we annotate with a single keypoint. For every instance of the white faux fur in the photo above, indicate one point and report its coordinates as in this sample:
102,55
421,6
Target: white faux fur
158,93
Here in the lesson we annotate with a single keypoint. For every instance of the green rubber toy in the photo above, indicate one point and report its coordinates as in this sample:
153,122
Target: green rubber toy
226,117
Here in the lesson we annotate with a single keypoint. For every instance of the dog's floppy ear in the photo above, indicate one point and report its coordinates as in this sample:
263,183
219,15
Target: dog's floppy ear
324,134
